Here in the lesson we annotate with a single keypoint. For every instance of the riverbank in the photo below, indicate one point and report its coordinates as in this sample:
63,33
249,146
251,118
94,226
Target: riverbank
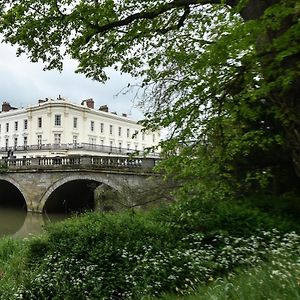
135,255
276,279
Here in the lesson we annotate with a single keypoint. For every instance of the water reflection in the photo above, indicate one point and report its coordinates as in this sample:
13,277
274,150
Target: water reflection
11,220
18,223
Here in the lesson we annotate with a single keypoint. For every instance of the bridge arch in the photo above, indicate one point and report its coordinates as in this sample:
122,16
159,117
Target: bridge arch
16,185
97,178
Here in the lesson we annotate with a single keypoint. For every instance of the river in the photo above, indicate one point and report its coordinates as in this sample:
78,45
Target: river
18,223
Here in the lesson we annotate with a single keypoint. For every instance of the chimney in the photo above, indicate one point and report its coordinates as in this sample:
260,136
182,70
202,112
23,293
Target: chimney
124,115
89,103
103,108
6,106
42,101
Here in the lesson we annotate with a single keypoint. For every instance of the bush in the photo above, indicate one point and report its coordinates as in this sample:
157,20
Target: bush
131,255
233,217
125,256
287,205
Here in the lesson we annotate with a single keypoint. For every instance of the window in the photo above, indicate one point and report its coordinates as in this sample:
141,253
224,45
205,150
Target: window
15,143
102,142
25,141
25,124
6,144
75,139
135,136
128,132
92,125
128,146
16,125
120,146
111,145
110,129
92,141
57,138
153,138
7,127
75,121
120,131
39,122
57,120
101,127
39,140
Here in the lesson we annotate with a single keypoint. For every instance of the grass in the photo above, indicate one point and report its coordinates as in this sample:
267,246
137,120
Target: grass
276,279
12,261
138,255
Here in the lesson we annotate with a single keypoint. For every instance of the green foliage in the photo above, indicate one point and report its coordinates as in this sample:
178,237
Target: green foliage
232,217
222,80
226,87
140,268
3,168
8,247
12,266
287,206
276,279
132,255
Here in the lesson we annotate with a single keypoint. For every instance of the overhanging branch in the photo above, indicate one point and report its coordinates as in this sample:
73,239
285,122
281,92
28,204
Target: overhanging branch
149,15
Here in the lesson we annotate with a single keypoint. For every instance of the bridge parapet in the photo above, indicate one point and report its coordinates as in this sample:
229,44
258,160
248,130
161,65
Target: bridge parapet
79,161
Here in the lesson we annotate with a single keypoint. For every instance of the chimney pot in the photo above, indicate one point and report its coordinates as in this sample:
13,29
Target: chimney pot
6,106
103,108
89,103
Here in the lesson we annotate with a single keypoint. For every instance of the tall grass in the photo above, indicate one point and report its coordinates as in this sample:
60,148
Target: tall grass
138,255
276,279
12,266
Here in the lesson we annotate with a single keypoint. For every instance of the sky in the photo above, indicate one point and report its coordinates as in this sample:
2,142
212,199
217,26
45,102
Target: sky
22,83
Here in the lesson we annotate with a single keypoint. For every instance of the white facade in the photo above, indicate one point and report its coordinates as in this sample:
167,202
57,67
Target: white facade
61,128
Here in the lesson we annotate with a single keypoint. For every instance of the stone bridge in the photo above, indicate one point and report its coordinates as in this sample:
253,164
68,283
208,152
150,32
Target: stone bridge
58,183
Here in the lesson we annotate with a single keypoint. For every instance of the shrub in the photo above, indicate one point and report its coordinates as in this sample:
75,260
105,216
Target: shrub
131,255
125,256
233,217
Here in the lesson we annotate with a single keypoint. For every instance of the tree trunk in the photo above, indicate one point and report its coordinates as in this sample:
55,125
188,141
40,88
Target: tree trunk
284,100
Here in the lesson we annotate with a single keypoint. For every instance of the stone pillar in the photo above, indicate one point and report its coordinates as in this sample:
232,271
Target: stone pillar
85,160
35,161
148,163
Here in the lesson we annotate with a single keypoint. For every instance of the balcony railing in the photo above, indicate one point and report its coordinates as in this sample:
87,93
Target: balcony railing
110,162
79,146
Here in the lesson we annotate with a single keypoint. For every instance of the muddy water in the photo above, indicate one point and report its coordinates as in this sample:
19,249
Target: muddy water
18,223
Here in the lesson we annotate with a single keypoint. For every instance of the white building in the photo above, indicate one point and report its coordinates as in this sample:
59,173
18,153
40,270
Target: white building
61,128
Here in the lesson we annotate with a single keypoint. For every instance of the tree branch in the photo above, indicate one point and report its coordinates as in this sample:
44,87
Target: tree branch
183,17
155,13
58,9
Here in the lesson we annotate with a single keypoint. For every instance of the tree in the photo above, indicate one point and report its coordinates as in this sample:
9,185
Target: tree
223,75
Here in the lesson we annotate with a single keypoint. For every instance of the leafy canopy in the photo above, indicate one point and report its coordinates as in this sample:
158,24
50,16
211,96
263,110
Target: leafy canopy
221,83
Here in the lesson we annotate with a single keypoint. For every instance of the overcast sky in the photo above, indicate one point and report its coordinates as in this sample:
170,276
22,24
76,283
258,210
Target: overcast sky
22,83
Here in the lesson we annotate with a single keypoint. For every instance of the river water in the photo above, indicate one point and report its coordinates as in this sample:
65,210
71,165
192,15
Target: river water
19,223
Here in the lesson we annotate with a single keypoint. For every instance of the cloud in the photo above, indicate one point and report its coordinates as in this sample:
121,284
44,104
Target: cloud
22,83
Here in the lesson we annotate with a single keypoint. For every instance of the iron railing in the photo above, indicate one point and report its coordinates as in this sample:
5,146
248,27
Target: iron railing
77,146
